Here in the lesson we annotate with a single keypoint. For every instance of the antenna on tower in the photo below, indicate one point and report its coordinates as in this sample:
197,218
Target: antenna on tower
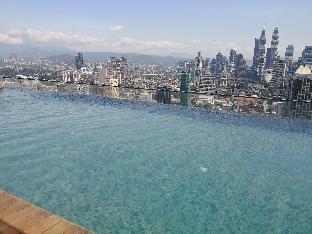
276,22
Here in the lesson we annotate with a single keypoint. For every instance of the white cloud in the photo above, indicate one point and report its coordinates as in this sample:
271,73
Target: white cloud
10,39
195,41
116,28
129,43
36,37
123,44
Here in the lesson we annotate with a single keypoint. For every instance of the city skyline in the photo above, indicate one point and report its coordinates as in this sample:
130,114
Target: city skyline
163,28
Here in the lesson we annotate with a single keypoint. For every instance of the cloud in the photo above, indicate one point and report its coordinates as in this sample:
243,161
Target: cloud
195,41
123,44
36,37
116,28
10,39
134,44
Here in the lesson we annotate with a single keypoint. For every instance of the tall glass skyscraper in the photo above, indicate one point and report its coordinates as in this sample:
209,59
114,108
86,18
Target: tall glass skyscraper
256,51
259,56
289,56
79,61
185,82
198,69
272,52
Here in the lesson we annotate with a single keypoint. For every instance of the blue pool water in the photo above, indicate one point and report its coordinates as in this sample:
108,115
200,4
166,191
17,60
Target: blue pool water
120,167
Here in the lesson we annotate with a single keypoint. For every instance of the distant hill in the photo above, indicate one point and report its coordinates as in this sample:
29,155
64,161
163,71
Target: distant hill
132,57
68,58
30,51
67,55
64,54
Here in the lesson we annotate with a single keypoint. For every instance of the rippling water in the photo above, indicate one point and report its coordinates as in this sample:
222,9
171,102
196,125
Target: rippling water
117,166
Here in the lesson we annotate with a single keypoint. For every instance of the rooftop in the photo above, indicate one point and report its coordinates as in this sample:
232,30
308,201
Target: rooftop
303,70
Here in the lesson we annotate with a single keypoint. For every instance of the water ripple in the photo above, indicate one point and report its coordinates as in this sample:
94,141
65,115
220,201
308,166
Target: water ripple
120,166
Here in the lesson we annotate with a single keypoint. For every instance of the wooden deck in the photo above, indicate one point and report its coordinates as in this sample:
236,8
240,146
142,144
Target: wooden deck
18,216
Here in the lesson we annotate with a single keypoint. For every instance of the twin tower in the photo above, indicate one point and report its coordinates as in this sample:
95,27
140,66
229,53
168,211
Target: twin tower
264,59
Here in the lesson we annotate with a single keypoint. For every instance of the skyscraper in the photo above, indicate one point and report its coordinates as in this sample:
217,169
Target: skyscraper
259,56
233,55
279,75
289,56
241,67
256,52
307,56
79,61
262,46
207,84
269,58
185,82
232,62
275,41
185,99
220,65
206,64
272,52
198,69
301,85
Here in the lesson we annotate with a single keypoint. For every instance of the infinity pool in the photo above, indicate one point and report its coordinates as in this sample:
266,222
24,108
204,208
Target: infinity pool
120,167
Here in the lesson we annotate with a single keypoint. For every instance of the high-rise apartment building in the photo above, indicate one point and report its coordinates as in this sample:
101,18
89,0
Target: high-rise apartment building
207,84
279,74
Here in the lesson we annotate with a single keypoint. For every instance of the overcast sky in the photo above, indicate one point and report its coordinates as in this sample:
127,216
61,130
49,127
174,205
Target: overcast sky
155,26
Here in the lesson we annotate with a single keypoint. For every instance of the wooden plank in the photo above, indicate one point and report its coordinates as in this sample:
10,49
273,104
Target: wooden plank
61,227
17,216
9,229
77,230
7,203
45,225
3,224
6,200
73,230
30,220
13,208
3,196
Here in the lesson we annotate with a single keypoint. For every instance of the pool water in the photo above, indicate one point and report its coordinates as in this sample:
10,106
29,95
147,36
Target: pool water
122,167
